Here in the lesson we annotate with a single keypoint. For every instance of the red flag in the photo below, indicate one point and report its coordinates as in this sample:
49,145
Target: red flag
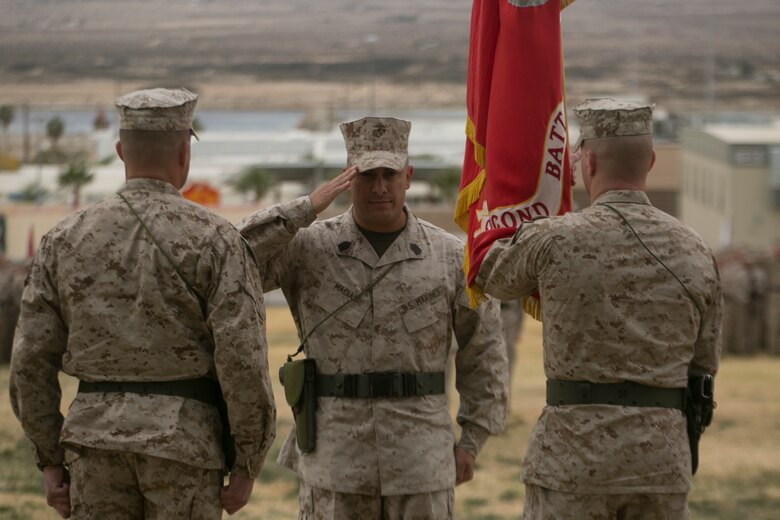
31,242
516,166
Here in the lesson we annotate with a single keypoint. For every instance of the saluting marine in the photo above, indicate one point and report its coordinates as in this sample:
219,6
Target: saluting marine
153,303
631,306
377,294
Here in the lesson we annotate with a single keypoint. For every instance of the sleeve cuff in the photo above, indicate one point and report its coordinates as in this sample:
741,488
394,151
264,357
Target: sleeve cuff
301,212
52,458
247,466
473,438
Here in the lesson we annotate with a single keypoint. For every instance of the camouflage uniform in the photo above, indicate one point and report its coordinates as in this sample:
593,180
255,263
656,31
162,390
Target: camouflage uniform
385,447
102,303
318,503
119,485
612,313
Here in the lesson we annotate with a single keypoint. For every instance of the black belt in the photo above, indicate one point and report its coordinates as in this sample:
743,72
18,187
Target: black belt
619,394
380,384
202,389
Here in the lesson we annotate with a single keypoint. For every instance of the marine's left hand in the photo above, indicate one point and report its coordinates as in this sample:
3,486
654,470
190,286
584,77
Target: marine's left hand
57,489
236,494
464,466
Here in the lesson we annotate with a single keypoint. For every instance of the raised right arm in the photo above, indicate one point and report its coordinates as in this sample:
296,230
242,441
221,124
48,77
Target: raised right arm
270,231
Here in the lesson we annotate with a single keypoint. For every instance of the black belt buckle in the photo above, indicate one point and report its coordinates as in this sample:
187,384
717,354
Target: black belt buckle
380,384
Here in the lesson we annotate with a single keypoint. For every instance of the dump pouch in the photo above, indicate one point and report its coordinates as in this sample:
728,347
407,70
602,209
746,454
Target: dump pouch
698,412
299,379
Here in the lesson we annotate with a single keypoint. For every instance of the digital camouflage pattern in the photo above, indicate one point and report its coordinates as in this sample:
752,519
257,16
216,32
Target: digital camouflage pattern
157,109
405,323
317,503
116,485
544,504
101,303
605,117
374,142
612,313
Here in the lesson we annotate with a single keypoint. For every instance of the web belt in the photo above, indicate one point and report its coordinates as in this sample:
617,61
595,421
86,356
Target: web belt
619,394
202,389
380,384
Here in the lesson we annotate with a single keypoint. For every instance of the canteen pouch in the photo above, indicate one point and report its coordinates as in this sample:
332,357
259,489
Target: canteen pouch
299,379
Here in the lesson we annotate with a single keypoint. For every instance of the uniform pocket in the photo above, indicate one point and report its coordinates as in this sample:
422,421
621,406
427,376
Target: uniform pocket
425,315
333,295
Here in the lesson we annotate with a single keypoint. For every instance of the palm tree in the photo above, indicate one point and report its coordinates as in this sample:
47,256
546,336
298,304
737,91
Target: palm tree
54,130
75,177
6,118
252,179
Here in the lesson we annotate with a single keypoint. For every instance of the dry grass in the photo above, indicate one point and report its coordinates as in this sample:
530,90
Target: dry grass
739,475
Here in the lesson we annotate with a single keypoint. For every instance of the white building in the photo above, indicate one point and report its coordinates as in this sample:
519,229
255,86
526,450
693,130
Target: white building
731,184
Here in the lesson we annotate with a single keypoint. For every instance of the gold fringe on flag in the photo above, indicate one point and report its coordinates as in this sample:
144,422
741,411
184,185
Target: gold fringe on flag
475,294
466,197
470,193
533,307
566,3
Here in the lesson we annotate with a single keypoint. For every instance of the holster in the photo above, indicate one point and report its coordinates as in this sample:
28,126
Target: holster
228,442
699,409
299,379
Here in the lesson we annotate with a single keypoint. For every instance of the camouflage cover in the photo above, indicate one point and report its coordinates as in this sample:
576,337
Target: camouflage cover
377,141
157,109
605,117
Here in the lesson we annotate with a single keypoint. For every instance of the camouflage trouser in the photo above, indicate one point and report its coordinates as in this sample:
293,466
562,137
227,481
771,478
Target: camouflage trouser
546,504
322,504
119,485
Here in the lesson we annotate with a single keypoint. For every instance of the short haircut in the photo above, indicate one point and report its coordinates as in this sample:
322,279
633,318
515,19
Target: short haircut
623,157
148,147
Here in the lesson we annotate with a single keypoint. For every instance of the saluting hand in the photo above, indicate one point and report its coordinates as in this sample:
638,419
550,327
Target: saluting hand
57,489
464,466
236,494
326,193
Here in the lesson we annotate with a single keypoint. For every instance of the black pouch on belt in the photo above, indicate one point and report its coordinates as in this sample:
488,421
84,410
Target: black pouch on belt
299,379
